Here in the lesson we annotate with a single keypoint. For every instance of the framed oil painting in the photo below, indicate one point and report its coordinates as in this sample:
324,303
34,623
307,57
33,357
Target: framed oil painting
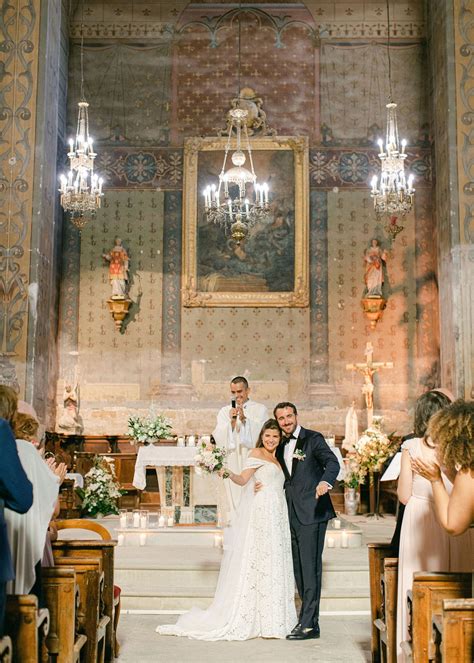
270,267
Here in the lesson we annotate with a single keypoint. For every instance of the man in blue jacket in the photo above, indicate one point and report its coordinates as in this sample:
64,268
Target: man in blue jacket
16,493
310,469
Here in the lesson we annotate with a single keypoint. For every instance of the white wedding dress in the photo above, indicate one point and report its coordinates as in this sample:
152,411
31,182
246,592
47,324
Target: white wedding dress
255,591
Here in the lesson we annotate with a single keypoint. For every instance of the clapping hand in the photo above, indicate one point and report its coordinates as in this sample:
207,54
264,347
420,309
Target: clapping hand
430,471
258,486
59,469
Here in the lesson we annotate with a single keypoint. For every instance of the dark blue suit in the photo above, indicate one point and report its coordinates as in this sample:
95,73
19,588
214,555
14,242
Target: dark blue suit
16,493
309,516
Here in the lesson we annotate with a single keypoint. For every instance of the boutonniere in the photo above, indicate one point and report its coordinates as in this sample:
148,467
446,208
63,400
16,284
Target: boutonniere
299,455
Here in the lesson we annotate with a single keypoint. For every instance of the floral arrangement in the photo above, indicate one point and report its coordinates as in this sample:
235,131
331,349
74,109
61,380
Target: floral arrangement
209,458
372,449
148,428
299,454
101,488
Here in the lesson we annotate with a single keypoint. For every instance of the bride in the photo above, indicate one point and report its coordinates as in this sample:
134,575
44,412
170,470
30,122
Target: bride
255,590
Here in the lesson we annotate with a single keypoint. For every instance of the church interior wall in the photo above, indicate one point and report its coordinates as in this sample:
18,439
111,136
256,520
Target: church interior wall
146,96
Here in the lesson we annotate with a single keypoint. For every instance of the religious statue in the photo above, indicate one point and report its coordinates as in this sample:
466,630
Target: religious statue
368,370
117,258
374,258
70,419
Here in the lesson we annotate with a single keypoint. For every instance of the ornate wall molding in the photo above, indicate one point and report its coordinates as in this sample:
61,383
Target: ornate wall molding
465,105
328,167
19,27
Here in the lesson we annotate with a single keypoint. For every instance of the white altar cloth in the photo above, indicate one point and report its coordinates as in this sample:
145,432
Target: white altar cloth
160,456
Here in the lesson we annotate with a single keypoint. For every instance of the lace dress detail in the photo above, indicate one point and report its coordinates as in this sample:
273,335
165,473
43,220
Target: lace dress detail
255,591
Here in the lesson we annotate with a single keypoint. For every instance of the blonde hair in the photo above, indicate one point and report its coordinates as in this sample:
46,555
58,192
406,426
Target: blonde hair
8,403
25,427
452,432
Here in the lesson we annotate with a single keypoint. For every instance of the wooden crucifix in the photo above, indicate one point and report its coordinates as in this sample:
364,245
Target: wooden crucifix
367,370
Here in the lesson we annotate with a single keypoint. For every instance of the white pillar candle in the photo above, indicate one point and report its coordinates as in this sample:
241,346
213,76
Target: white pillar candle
161,521
123,521
191,441
120,539
344,539
180,441
217,540
136,519
337,523
143,522
142,539
331,542
170,521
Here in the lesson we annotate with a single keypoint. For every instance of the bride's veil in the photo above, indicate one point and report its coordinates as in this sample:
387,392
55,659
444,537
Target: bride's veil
220,611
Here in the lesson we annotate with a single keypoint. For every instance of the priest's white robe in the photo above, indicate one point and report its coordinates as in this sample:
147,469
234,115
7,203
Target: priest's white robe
237,442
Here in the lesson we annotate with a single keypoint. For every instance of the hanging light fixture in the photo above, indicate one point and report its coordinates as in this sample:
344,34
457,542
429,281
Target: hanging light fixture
228,203
393,194
81,188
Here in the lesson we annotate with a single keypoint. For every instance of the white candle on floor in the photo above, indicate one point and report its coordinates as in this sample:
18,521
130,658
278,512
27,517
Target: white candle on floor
136,519
170,521
161,521
123,521
143,522
337,523
142,539
331,542
344,539
120,539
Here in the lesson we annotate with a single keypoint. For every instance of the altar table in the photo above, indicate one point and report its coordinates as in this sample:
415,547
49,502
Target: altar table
160,457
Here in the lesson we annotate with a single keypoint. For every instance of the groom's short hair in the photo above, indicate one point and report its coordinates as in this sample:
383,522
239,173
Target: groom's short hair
283,405
239,379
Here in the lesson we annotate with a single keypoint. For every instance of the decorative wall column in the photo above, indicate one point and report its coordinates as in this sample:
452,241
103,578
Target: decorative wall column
31,91
452,66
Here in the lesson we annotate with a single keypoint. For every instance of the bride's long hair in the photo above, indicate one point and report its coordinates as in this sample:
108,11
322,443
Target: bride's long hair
270,424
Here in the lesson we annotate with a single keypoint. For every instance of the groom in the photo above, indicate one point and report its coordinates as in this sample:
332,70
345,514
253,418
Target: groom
310,469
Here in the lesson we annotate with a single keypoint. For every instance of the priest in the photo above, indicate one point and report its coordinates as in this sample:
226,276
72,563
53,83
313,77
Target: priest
237,430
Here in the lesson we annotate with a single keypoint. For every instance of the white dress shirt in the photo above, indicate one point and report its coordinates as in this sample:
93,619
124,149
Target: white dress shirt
290,449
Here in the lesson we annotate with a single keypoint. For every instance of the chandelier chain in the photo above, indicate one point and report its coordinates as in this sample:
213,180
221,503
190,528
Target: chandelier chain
389,59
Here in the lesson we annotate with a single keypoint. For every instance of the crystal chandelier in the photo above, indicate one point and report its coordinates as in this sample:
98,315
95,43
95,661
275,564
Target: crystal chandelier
228,203
392,194
81,189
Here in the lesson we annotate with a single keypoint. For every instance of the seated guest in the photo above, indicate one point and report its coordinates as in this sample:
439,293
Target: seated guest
424,545
16,491
452,433
27,532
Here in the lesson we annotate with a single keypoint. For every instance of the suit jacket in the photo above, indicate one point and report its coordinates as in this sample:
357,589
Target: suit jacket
16,493
320,464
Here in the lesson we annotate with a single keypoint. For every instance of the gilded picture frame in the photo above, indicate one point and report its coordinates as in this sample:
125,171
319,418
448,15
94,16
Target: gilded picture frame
271,267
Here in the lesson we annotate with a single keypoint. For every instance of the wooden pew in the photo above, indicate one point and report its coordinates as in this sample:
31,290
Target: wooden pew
27,627
62,598
103,549
377,554
5,650
387,623
426,597
454,631
92,621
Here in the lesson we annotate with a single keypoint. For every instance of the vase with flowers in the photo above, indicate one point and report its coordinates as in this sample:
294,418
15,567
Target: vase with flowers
148,429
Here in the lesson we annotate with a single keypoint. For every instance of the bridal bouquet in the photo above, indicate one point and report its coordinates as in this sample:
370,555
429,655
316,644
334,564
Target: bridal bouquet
148,428
209,458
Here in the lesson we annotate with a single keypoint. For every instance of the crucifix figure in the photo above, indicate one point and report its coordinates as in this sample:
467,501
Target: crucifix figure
367,370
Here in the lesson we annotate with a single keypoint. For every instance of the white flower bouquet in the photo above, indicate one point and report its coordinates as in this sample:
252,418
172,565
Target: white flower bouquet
209,458
144,429
101,488
372,449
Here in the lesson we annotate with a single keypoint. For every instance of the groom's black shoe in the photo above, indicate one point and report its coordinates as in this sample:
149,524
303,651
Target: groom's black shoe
304,634
297,628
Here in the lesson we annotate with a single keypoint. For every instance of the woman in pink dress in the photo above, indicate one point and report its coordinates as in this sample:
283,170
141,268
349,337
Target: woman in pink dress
424,544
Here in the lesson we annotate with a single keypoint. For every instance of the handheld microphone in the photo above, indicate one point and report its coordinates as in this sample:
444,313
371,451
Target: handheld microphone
233,405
